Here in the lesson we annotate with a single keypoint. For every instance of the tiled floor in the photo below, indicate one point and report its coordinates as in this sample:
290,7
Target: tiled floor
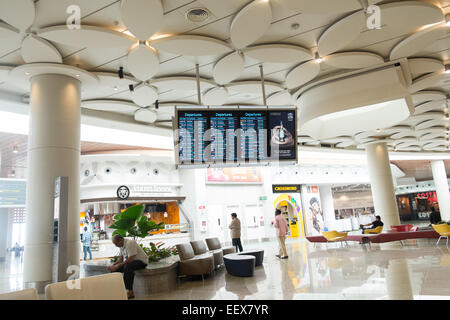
418,270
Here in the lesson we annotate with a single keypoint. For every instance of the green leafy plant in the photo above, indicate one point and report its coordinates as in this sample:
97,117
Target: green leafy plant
156,252
133,223
444,222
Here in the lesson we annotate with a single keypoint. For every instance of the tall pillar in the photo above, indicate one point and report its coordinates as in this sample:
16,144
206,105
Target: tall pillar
3,233
442,189
398,281
326,198
382,185
53,150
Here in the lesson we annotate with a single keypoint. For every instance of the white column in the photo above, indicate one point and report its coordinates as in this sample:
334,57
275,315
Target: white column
326,198
382,184
53,150
398,281
3,233
442,189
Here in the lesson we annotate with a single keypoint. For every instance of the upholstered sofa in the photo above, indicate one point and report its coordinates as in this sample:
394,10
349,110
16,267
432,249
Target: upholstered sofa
214,244
194,265
27,294
104,287
200,248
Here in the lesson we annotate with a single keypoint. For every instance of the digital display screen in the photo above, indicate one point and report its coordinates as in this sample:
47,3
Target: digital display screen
221,136
12,193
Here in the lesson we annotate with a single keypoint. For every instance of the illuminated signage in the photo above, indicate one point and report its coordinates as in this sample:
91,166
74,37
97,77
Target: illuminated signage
286,188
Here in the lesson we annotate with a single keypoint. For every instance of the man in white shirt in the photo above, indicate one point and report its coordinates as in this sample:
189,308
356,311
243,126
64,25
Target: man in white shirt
131,258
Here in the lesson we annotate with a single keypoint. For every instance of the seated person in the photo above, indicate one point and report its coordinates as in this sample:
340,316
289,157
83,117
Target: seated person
435,216
131,258
373,225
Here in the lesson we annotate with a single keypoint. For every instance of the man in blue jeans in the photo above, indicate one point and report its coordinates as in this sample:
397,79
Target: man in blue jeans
87,240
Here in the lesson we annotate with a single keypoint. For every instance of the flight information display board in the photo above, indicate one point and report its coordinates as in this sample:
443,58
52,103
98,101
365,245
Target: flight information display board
12,193
205,136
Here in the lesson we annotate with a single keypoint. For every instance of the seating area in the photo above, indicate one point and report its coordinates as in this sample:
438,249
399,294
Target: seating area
443,230
381,237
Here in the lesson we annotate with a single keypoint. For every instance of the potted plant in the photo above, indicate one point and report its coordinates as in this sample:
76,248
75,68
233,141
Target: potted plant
156,252
133,223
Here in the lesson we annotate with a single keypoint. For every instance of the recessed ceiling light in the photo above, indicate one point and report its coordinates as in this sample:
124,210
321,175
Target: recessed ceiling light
197,15
115,88
27,73
15,149
295,26
77,75
447,68
378,130
447,19
318,58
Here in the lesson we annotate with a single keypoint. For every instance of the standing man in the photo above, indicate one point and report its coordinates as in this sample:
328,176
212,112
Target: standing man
235,227
87,241
131,258
282,229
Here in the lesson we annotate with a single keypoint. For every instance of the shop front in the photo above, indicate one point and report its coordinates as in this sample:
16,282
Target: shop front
287,199
417,206
161,205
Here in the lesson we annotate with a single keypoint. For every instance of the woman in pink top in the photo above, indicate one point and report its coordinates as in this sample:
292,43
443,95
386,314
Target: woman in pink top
282,229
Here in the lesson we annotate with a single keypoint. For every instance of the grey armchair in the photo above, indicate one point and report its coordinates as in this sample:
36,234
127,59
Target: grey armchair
192,265
200,248
214,244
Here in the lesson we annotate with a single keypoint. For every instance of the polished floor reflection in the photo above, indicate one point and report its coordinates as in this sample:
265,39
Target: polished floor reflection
419,270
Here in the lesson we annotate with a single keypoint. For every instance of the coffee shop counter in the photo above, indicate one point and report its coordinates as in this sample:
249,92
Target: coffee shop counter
107,249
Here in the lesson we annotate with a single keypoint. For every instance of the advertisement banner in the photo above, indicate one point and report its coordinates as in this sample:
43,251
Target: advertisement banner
234,175
313,210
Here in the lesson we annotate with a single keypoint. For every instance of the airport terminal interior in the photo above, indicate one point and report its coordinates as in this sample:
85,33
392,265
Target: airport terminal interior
151,122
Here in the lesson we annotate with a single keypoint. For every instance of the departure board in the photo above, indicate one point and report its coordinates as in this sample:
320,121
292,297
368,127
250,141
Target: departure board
12,193
206,136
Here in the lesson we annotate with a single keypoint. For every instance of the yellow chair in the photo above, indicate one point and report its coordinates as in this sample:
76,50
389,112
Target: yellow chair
334,236
443,230
374,231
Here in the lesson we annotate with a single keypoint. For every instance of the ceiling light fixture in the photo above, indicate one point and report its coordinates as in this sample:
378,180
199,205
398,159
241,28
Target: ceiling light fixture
318,58
77,75
120,72
447,68
157,104
447,19
378,130
115,88
131,87
27,73
15,149
13,173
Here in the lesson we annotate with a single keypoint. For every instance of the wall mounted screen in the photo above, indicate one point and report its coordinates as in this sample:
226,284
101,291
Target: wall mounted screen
230,136
12,193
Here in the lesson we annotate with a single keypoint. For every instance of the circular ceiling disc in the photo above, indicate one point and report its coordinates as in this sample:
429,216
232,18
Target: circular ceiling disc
143,62
35,49
215,97
18,13
302,74
251,23
278,53
142,17
87,36
145,115
191,45
144,95
228,68
116,106
353,60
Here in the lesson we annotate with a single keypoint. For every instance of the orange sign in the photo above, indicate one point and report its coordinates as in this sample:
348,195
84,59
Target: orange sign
247,174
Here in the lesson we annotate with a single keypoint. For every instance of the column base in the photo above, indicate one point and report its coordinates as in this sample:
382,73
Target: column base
38,285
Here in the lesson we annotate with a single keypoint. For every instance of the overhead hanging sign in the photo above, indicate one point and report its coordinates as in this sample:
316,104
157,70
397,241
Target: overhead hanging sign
234,136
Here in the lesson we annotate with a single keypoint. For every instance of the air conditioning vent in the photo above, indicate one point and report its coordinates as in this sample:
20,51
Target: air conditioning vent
197,15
